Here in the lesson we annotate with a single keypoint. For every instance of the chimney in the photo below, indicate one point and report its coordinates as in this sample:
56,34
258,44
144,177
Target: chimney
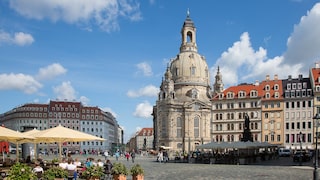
317,65
276,77
267,77
256,83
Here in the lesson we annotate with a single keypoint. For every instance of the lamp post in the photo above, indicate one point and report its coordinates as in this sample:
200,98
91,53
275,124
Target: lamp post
315,171
300,158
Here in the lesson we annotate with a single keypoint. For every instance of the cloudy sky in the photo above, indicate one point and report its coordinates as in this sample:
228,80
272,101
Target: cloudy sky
113,53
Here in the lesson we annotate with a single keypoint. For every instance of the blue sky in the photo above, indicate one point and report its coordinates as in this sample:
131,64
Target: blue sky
113,53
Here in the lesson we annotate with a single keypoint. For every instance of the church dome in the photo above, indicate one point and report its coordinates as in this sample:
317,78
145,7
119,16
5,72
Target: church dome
189,67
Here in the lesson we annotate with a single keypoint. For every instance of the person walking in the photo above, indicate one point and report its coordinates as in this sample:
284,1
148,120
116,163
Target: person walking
160,156
106,154
107,169
133,155
127,156
117,155
165,157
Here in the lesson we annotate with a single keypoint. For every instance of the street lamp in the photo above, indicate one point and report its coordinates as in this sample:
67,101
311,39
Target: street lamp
315,171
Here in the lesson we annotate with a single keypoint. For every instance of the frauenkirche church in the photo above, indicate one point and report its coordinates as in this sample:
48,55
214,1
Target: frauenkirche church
182,113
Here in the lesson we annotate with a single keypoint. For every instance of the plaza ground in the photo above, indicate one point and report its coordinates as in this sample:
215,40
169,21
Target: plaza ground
282,168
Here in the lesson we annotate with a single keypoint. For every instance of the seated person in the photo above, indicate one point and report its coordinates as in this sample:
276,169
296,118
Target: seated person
38,169
63,164
72,169
77,162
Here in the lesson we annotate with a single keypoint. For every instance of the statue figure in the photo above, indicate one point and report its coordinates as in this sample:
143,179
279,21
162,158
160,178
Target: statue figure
246,121
246,136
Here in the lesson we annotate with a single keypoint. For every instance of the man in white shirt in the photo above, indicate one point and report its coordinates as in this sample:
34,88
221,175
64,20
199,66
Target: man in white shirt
63,164
106,154
72,169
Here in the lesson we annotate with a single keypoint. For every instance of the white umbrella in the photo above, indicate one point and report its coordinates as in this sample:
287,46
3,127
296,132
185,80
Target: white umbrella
16,137
62,134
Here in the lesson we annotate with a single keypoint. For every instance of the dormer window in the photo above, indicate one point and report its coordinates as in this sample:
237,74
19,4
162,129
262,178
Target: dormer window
294,86
276,87
253,93
242,94
289,86
267,95
299,86
276,94
221,96
230,95
317,88
267,87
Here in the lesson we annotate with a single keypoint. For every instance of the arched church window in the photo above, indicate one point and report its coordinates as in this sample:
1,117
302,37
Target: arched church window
189,36
196,127
193,70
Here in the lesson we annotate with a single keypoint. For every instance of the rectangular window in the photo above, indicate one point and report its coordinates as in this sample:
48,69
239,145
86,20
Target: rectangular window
287,138
292,104
287,115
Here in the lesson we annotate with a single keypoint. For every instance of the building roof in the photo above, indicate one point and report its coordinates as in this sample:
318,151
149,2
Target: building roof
145,132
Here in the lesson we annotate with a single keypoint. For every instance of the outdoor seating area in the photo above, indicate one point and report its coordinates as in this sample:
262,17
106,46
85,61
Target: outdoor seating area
47,166
234,152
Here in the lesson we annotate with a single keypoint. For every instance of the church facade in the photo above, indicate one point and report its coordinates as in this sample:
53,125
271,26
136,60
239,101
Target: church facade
182,113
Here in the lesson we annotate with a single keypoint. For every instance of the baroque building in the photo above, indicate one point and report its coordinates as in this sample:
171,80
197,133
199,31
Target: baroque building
73,115
182,112
298,112
229,109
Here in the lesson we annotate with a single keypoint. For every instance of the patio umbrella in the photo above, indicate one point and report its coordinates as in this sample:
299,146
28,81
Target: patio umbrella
12,136
62,134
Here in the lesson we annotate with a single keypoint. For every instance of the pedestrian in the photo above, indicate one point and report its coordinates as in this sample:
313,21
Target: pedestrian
165,156
160,156
133,155
106,154
117,155
107,169
127,156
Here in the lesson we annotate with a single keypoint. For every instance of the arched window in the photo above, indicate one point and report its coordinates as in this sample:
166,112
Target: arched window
196,127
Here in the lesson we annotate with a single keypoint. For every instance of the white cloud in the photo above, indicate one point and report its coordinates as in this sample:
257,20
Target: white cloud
65,91
84,100
20,82
143,110
19,38
51,71
107,109
304,42
145,68
103,13
241,63
150,91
